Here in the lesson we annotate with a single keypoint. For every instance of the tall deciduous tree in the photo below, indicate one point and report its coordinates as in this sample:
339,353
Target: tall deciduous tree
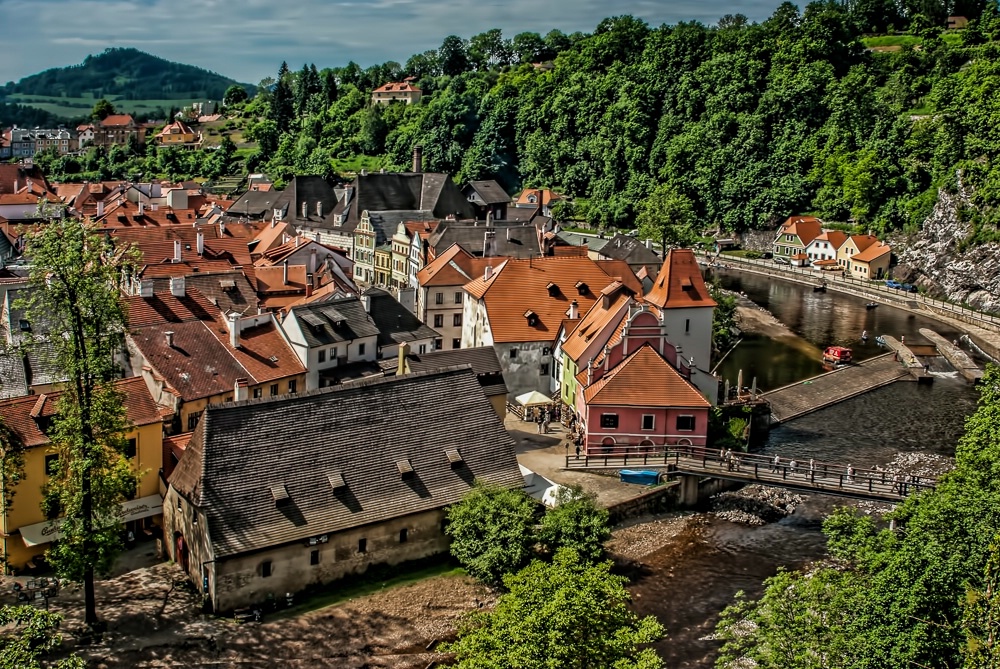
982,617
565,615
668,216
31,635
102,109
491,531
75,292
453,56
576,522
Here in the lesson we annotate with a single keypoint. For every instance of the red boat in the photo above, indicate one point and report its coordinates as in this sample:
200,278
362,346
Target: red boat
837,355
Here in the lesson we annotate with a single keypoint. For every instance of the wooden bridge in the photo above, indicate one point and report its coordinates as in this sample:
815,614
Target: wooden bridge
819,392
803,476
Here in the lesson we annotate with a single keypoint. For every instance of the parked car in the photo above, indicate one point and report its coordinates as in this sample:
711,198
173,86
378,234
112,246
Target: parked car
909,287
893,284
781,260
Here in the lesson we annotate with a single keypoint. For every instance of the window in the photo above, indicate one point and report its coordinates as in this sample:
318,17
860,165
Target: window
609,420
265,568
274,389
439,320
361,349
456,320
258,393
403,535
685,423
333,353
458,297
456,343
362,545
51,464
439,298
293,386
193,420
423,349
438,344
687,325
314,557
130,448
513,354
546,350
322,355
648,421
544,369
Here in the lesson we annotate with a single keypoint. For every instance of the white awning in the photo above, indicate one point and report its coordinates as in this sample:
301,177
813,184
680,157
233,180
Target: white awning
134,509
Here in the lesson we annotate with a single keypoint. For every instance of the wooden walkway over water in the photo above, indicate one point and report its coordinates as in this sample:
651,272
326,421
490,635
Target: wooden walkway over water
828,478
819,392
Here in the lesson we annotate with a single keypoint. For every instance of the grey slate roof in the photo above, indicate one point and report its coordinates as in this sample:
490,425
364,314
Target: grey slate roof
334,321
509,238
395,323
255,204
483,360
415,195
631,250
308,190
12,380
359,431
489,191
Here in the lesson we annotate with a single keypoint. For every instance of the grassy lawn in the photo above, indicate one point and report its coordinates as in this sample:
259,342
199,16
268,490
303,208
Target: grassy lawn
81,106
355,164
375,581
891,40
952,37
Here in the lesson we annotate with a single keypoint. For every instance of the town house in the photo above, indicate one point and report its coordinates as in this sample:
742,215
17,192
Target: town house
440,299
27,532
852,246
333,482
822,251
794,236
872,263
396,325
489,199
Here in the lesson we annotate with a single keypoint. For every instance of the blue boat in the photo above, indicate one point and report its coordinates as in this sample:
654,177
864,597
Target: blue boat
640,476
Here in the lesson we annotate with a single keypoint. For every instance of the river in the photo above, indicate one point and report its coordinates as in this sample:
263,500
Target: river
688,582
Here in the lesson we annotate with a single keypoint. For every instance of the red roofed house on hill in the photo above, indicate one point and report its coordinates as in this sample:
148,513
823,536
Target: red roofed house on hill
116,129
794,236
637,397
401,91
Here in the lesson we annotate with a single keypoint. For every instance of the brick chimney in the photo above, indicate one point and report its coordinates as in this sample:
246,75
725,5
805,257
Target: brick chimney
418,159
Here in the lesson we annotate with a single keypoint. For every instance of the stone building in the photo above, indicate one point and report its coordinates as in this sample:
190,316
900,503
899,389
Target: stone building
280,495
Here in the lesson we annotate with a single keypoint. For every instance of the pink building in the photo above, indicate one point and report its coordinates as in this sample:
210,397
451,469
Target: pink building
635,397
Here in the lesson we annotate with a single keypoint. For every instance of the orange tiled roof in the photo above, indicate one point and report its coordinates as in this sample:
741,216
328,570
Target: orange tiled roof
620,270
863,241
545,286
871,253
594,323
455,267
272,279
679,284
806,227
644,378
115,120
547,196
17,414
836,238
396,86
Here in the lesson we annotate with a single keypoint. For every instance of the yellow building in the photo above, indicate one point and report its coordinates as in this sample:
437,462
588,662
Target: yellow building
852,246
872,263
26,531
178,134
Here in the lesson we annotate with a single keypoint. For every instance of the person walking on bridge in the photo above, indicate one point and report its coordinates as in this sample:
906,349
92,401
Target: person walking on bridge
776,464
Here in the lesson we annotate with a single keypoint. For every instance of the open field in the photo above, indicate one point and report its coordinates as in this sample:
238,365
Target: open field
77,107
891,41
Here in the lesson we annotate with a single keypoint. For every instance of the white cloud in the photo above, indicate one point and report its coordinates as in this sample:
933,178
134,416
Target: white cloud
248,39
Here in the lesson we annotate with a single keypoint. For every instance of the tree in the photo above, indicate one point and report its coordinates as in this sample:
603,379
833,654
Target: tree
565,615
235,95
491,531
329,87
102,109
981,620
531,48
75,291
452,56
31,635
576,522
668,216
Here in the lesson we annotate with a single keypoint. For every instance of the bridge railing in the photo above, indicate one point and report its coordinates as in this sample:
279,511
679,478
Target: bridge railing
767,468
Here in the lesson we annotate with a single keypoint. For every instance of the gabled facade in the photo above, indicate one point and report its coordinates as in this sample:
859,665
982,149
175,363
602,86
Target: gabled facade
872,263
441,296
401,91
489,198
637,397
825,247
852,246
794,236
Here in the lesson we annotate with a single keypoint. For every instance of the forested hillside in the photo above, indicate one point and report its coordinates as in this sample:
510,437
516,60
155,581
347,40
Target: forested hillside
127,74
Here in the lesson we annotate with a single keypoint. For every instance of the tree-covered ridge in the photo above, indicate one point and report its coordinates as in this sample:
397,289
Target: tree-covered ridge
125,73
749,122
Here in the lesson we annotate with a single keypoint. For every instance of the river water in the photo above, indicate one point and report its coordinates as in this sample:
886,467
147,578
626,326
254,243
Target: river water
687,583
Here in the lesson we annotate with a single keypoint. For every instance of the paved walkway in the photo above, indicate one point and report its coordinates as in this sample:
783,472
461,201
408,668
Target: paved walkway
843,383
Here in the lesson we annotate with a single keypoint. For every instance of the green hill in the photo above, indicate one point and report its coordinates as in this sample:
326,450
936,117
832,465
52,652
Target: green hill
128,77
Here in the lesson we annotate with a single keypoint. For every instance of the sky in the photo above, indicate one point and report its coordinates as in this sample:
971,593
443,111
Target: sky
248,39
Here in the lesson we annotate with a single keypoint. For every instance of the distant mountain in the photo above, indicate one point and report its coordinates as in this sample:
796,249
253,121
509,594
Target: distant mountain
122,74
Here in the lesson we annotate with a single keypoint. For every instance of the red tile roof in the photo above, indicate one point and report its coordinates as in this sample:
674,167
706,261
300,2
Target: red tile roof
520,285
596,323
397,86
644,379
863,241
871,253
620,270
679,284
18,414
455,267
836,238
548,196
807,228
117,120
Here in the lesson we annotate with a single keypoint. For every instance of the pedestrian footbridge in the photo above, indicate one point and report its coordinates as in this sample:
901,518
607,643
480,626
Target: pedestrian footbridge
828,478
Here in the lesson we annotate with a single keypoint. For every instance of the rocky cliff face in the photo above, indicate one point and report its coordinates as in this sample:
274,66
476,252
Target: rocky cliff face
931,259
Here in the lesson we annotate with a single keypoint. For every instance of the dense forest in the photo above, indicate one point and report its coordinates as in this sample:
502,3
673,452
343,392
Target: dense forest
124,73
743,123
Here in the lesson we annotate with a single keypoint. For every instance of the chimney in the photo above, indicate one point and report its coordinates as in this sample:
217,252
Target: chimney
319,209
234,330
222,227
309,285
305,210
177,286
366,300
418,159
241,390
100,207
574,310
312,261
488,274
146,288
649,244
404,350
169,335
201,243
607,354
177,250
274,221
142,208
590,371
297,240
284,272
